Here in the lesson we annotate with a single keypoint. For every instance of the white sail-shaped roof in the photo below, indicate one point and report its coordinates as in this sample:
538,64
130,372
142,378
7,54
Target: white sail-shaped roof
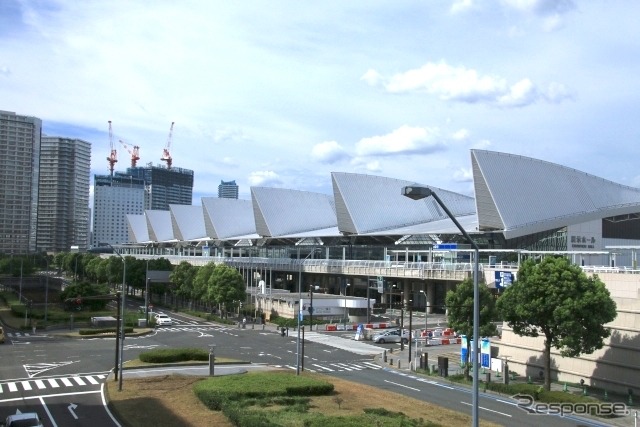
138,231
367,204
159,225
228,219
519,195
286,213
187,222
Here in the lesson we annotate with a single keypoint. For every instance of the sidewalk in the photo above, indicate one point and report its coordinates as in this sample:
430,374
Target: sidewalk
399,359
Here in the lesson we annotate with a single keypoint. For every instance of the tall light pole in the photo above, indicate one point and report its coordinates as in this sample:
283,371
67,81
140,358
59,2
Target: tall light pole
417,192
346,310
122,305
426,308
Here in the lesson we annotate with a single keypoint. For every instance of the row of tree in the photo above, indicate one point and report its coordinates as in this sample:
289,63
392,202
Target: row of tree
550,298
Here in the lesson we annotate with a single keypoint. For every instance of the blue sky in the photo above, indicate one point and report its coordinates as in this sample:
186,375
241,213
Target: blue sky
282,93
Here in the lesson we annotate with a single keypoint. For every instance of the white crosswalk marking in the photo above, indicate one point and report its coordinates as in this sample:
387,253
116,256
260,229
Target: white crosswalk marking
344,367
44,383
323,368
371,365
92,380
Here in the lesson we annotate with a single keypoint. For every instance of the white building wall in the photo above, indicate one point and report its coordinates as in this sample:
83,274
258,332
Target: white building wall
615,367
111,206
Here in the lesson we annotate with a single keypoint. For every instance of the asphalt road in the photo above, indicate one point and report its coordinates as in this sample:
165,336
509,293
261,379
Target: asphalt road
62,378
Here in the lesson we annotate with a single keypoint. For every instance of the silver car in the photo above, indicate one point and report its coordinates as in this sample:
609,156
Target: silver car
391,336
163,319
27,419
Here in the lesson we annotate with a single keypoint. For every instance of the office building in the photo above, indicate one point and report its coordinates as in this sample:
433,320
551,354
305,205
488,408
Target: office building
19,174
63,207
228,190
163,186
113,198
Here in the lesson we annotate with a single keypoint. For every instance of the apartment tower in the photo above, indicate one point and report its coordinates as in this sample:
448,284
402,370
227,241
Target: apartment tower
20,138
63,207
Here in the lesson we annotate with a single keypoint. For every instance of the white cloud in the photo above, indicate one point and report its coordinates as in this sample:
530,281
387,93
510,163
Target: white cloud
5,71
460,6
264,179
404,140
467,85
372,77
329,152
463,175
460,135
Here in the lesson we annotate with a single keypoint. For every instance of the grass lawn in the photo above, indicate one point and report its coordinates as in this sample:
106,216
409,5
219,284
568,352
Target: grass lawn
170,401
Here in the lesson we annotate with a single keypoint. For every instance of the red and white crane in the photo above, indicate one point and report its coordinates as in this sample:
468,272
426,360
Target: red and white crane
166,154
113,155
135,153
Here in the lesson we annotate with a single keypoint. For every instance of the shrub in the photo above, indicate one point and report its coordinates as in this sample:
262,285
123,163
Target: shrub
173,355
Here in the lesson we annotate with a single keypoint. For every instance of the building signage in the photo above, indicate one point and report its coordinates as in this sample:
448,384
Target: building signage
485,353
582,242
504,278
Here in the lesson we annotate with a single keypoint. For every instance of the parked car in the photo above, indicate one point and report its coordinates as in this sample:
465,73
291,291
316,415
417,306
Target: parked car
391,336
1,335
163,319
26,419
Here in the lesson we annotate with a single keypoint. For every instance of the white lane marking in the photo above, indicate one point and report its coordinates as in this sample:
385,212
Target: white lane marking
66,382
79,380
26,385
12,387
46,409
106,407
40,384
487,409
17,399
402,385
53,383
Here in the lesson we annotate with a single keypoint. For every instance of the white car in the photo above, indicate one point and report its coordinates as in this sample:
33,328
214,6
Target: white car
391,336
163,319
27,419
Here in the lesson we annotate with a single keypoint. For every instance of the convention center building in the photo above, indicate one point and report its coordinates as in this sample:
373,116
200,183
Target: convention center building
373,243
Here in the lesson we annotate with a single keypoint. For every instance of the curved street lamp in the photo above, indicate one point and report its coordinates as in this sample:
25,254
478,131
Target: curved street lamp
122,305
417,192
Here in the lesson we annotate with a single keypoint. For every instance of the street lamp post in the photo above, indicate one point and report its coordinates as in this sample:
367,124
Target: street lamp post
410,328
313,288
417,192
122,308
426,308
346,310
401,320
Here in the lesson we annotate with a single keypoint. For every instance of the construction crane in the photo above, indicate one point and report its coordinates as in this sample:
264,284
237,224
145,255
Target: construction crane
135,153
166,154
113,155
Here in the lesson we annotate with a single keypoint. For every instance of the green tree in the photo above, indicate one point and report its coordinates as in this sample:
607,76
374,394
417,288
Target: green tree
183,277
557,300
226,286
459,303
201,281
